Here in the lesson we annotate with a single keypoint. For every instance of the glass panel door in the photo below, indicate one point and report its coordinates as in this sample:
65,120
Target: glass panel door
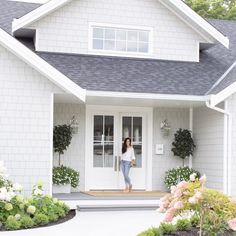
132,127
103,141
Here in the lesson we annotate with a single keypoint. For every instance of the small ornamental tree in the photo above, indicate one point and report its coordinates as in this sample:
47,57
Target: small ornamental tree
183,145
62,135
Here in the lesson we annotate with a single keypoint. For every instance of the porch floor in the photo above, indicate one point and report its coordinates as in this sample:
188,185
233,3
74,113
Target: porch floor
111,195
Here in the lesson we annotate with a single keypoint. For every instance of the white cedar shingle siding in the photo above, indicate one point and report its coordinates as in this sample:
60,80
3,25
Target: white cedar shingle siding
74,156
208,133
178,118
25,113
66,30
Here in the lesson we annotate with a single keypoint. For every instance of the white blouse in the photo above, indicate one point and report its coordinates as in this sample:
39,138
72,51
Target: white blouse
128,155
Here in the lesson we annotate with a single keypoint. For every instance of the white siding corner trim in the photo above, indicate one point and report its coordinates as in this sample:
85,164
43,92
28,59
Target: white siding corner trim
40,65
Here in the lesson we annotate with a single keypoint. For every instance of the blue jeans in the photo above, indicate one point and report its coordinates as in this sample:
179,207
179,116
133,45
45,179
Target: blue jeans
125,167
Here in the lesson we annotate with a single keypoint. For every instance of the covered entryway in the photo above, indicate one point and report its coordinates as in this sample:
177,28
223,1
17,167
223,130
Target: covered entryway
109,127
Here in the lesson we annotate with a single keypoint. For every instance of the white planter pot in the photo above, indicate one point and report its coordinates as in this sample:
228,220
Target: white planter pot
61,188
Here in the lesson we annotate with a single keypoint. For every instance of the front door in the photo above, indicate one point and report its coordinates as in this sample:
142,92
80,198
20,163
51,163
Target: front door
108,133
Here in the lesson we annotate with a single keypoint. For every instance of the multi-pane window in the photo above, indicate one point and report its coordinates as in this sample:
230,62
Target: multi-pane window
120,40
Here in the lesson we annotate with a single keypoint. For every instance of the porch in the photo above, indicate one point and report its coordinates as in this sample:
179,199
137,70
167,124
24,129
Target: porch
99,169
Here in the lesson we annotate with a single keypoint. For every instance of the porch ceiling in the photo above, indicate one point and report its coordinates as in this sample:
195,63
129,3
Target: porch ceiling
141,102
128,101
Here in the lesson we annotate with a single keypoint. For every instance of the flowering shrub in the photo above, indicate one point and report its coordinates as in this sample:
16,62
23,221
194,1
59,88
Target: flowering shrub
17,212
174,176
65,175
214,209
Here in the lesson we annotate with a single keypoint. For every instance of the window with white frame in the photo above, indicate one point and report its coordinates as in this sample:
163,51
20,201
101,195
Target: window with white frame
120,40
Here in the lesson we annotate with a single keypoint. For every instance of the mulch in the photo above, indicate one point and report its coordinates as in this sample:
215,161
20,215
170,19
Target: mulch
195,232
71,214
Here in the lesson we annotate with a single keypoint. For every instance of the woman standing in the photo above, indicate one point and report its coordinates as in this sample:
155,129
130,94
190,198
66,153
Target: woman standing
127,160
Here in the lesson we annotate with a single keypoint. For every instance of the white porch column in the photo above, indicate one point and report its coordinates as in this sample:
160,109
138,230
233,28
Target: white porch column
191,129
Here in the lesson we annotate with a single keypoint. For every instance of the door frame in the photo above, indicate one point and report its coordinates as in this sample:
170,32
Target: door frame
90,110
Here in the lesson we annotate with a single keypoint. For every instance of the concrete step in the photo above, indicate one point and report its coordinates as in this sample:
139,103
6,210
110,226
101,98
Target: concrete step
117,205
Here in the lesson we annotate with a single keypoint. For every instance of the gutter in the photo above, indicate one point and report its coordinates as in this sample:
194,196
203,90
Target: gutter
227,145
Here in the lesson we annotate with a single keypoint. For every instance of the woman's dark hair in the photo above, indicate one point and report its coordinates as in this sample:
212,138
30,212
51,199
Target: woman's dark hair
124,146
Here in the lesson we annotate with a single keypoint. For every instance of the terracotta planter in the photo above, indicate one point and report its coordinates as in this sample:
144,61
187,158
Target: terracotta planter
61,188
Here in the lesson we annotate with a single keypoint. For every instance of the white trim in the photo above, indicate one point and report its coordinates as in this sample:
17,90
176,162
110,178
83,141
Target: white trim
198,20
225,93
51,141
29,57
119,53
229,150
227,146
91,109
222,77
90,93
37,14
87,148
191,129
149,150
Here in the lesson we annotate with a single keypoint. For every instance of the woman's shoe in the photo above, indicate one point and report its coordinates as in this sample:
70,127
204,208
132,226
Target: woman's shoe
130,188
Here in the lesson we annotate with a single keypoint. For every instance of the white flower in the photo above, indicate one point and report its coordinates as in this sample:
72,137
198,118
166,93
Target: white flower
17,187
9,195
31,209
17,216
38,191
193,177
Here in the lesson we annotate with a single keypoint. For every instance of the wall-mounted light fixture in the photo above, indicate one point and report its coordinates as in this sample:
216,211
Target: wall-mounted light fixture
165,127
74,125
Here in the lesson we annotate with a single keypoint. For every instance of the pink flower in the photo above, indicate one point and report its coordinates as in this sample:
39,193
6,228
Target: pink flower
178,193
162,210
173,189
178,205
198,195
193,200
165,204
182,184
232,224
203,179
168,217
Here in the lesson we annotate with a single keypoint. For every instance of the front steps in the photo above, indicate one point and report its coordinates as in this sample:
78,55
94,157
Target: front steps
113,205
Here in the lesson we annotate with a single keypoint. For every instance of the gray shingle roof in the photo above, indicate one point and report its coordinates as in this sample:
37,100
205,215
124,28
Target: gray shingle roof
139,75
10,10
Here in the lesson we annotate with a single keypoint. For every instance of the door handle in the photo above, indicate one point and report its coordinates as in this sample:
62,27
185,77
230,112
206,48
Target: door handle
115,164
119,160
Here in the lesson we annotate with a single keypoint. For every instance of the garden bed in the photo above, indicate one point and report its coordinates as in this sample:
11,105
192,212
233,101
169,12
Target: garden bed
70,215
195,232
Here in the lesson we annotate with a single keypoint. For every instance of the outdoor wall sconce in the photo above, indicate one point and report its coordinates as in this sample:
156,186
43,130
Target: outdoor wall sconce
165,127
74,125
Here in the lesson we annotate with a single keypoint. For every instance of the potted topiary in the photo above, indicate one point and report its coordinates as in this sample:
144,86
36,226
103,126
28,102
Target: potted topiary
62,135
63,177
183,145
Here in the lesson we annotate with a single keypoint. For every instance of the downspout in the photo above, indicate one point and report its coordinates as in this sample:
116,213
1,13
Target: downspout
227,145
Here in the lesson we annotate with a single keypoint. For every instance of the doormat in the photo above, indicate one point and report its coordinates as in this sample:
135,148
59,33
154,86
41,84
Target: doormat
121,193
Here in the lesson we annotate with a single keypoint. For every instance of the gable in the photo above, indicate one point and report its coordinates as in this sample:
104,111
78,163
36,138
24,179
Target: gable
67,29
178,7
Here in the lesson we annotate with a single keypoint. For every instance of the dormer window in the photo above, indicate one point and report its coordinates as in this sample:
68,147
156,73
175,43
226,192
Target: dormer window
110,39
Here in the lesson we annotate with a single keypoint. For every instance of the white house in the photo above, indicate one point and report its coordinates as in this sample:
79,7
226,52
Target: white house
120,68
